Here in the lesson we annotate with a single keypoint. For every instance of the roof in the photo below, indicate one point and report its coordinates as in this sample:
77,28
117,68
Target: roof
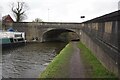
5,18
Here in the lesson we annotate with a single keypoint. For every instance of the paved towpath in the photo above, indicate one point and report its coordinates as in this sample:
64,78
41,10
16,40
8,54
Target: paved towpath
77,68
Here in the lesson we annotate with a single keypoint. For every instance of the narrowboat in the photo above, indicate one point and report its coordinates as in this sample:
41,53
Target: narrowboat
11,39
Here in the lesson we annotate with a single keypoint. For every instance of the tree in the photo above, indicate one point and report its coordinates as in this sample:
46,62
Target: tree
38,20
19,10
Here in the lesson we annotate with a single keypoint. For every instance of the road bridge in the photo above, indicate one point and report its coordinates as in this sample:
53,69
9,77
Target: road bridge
47,31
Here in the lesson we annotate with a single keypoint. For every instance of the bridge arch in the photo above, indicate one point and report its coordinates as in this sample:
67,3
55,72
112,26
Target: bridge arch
60,35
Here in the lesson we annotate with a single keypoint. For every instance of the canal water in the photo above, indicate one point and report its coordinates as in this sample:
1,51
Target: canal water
30,60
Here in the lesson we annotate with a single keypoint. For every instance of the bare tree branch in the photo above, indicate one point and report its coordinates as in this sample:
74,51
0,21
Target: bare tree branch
22,12
19,11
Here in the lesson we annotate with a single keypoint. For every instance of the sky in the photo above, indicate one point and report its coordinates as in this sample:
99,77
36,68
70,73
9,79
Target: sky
62,10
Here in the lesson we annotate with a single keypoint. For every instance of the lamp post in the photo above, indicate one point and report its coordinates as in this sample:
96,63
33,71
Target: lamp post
82,17
48,14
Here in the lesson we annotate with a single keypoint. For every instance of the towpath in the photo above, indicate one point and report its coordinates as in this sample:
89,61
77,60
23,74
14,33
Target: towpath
77,68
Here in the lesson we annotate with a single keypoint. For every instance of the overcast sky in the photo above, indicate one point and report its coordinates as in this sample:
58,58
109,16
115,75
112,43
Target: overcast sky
63,10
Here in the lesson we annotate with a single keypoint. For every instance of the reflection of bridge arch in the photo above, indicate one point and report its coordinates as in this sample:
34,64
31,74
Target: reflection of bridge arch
59,35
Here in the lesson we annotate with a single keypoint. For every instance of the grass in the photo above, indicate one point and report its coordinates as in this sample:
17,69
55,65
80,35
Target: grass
98,71
59,67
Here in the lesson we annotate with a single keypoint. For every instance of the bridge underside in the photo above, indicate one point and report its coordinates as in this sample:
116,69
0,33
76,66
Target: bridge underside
60,35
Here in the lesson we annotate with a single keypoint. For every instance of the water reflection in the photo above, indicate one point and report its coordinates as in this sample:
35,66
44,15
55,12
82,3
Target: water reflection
30,60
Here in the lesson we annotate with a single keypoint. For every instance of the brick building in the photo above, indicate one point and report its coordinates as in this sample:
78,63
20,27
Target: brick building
7,22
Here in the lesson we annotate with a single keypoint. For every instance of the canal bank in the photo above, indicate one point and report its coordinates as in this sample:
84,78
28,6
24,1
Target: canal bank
59,68
76,61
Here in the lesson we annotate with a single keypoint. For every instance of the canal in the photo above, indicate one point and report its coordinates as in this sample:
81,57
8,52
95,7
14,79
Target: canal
30,60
